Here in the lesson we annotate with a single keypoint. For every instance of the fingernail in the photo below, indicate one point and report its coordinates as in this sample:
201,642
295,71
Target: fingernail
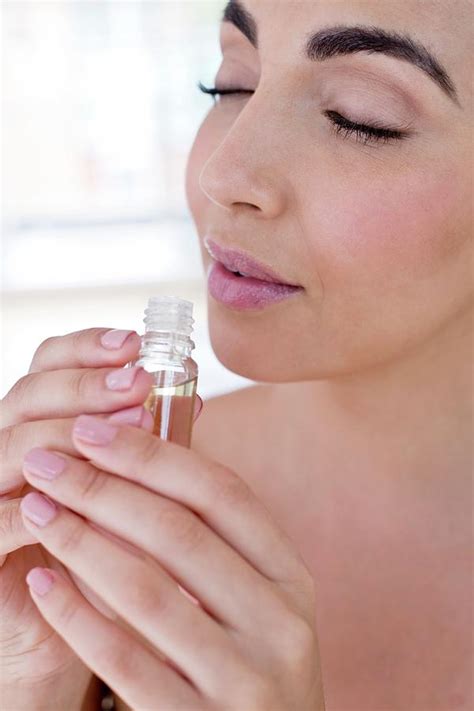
115,338
94,431
38,508
44,464
135,416
40,580
122,378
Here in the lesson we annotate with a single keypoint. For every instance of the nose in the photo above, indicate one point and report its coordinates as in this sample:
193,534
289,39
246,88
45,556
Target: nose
244,171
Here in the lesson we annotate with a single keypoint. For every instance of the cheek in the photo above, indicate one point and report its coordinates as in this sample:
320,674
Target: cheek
393,258
395,231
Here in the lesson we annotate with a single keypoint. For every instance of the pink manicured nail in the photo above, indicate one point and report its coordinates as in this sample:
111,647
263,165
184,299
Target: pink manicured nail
38,508
94,431
44,464
121,379
115,338
136,416
40,580
129,416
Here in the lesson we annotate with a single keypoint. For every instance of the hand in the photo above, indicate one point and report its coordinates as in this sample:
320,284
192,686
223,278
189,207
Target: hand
67,376
249,644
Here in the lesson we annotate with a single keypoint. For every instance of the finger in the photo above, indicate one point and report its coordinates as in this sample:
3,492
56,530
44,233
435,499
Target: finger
131,670
90,348
172,534
141,594
197,407
17,440
13,534
213,491
65,393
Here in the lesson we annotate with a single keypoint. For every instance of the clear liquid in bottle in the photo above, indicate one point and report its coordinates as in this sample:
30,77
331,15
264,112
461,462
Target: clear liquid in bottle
172,407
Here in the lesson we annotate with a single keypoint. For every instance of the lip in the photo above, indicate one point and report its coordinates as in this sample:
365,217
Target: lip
244,293
235,260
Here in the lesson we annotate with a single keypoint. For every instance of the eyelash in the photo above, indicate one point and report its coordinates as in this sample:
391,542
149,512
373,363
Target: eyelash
342,125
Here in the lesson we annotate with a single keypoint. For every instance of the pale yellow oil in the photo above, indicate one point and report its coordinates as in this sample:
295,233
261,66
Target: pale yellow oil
172,408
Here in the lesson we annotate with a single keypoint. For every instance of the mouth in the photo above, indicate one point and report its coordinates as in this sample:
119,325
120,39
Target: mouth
242,265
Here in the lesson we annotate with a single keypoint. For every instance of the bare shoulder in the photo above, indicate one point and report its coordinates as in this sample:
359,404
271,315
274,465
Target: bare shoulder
227,428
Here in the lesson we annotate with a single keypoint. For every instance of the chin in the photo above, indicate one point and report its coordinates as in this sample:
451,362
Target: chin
235,343
254,346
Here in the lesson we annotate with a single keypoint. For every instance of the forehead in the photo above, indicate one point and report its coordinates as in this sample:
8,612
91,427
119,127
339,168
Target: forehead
445,28
453,17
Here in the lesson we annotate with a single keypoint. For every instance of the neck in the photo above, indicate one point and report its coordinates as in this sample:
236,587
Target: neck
411,418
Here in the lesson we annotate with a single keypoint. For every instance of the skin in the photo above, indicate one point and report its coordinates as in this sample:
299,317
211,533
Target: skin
132,581
357,226
67,376
246,646
384,225
371,364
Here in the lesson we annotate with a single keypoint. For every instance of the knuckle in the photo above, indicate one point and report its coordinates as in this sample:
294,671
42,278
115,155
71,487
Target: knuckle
71,540
78,383
8,445
40,352
229,489
77,339
4,414
182,526
142,597
92,482
116,657
19,396
89,334
81,341
67,610
149,449
10,520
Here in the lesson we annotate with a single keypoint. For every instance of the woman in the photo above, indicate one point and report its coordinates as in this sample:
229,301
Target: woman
330,554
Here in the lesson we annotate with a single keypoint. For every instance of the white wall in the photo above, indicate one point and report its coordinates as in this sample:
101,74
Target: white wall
100,108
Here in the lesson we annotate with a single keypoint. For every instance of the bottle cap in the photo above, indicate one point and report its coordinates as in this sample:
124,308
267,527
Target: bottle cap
169,313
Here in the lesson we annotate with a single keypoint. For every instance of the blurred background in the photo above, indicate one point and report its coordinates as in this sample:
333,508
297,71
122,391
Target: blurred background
100,108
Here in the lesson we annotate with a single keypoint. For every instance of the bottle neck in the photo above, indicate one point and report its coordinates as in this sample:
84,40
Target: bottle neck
165,348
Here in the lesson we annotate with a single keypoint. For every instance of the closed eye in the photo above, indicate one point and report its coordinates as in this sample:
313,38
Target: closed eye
214,91
363,132
342,125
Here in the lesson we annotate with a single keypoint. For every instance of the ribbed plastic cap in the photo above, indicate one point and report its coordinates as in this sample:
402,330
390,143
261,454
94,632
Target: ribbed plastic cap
169,313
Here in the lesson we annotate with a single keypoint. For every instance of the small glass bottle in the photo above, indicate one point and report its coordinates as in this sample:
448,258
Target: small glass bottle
166,352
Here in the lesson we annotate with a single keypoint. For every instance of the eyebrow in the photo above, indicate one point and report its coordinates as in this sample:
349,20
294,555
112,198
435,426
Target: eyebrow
343,39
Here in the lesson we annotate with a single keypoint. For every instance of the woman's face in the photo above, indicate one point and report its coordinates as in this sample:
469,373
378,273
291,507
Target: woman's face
377,232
